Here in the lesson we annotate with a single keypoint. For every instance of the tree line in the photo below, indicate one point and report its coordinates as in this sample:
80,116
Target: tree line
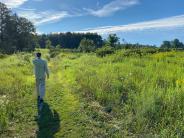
175,44
18,34
67,40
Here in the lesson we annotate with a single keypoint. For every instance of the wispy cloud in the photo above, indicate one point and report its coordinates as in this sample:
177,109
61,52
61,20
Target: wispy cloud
43,17
38,0
112,7
13,3
165,23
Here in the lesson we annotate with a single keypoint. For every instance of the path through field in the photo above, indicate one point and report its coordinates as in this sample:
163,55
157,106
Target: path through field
92,97
61,115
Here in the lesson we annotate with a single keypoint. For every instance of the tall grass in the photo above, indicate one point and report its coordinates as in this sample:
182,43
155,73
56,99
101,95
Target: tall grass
148,89
14,76
114,96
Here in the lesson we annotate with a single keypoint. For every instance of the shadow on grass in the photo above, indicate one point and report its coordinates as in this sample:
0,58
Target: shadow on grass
48,123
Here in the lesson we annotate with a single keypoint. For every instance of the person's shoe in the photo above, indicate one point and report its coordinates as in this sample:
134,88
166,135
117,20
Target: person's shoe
41,104
38,101
41,100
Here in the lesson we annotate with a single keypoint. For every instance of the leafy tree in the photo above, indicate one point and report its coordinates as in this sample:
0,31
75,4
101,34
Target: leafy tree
175,44
166,44
37,45
6,45
48,44
25,30
113,40
16,33
87,45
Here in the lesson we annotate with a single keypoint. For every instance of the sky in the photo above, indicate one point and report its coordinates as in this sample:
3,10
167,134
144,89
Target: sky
135,21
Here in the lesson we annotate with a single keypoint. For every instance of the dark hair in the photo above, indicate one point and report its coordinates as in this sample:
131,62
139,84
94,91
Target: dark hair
38,54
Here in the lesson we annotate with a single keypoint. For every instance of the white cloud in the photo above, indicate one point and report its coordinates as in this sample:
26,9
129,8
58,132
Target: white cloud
13,3
165,23
39,18
112,7
38,0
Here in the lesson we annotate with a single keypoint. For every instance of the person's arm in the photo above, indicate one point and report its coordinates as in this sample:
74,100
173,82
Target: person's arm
46,69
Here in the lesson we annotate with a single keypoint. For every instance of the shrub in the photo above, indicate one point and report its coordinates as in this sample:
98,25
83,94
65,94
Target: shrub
87,45
102,52
140,52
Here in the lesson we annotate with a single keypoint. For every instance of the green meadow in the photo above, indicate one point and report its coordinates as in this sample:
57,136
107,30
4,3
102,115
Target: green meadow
88,96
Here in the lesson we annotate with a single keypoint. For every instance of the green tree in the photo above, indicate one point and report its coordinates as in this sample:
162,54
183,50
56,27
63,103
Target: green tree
48,44
177,44
87,45
26,33
37,45
16,33
166,44
113,40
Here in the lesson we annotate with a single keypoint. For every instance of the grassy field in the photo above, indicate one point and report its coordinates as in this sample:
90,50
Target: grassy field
92,97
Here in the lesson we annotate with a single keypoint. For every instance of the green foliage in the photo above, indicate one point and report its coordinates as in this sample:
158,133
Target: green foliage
48,44
87,46
16,32
175,44
145,90
37,45
113,40
2,55
135,46
58,46
106,50
166,44
69,40
54,52
114,96
140,52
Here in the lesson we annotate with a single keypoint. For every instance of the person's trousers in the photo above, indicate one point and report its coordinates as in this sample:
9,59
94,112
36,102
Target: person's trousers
40,87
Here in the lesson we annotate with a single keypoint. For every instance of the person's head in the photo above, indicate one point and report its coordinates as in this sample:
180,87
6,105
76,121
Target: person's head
38,55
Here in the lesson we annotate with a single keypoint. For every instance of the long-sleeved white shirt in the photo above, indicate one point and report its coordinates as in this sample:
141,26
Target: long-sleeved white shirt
40,68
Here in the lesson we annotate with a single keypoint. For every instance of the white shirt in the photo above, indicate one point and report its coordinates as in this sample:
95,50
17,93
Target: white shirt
40,68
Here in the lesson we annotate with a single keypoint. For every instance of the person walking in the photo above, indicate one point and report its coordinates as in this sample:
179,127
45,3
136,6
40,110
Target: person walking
40,72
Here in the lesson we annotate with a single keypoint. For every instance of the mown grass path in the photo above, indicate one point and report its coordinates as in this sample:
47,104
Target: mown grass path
61,115
62,106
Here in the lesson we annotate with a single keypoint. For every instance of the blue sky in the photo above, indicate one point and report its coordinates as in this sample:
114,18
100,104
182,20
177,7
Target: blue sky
137,21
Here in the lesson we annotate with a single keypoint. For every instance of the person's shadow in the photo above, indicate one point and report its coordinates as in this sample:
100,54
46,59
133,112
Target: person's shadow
48,122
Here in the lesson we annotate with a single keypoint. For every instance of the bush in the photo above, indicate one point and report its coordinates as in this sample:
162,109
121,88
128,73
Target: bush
107,50
54,52
87,45
140,52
